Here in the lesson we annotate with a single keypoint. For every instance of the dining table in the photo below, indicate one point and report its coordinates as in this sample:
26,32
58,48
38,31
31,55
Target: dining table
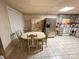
40,35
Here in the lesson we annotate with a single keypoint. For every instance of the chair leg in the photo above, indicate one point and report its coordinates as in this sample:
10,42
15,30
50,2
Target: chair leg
29,50
19,44
37,45
42,44
46,43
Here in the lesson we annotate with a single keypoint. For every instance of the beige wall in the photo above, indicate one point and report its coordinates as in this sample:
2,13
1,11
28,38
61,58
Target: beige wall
27,22
33,22
5,29
37,19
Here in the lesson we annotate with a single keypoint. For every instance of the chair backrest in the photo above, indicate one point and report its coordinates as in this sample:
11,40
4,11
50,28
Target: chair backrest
31,39
19,33
13,36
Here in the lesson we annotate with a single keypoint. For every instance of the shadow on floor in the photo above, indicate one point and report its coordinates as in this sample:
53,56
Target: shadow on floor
20,53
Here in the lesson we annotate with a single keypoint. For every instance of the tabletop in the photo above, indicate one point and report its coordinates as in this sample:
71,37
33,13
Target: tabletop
40,35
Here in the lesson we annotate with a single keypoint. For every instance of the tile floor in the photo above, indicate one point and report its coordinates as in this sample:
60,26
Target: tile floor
60,47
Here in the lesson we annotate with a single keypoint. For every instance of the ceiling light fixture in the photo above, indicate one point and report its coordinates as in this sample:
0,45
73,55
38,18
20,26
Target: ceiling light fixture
66,9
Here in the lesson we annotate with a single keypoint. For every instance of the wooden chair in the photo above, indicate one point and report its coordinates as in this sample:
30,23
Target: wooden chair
32,42
45,40
14,39
40,42
19,33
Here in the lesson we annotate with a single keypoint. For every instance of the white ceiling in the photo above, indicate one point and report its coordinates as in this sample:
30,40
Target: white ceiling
44,6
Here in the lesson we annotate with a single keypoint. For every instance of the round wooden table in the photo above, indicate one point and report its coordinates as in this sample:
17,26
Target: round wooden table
40,35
